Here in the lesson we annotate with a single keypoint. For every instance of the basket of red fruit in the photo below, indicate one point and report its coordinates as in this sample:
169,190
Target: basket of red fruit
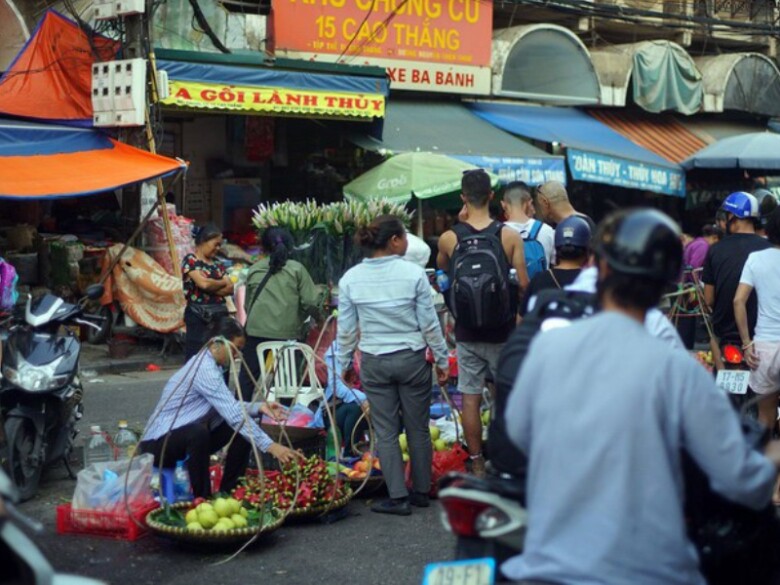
307,488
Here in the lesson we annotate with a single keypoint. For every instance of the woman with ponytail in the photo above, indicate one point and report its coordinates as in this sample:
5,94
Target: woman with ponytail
280,295
388,300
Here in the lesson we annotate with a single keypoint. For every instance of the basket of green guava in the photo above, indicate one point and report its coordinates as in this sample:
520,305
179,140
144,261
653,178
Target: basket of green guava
217,520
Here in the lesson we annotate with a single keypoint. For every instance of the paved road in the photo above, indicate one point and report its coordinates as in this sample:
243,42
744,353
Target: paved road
364,548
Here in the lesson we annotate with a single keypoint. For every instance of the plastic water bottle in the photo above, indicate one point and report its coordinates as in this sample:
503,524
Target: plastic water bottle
182,490
124,442
513,276
97,449
442,281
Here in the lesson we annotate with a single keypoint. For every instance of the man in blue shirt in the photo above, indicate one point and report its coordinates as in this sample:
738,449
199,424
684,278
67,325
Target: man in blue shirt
605,434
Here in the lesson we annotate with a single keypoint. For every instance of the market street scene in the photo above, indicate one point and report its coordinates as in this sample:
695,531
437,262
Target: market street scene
426,292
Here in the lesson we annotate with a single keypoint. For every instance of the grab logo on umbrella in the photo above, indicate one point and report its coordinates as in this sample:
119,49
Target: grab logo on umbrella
392,183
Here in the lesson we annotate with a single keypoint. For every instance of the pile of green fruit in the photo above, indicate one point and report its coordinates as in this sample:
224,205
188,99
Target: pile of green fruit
217,515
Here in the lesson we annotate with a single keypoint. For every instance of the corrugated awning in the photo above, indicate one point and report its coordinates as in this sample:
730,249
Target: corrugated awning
267,90
568,76
594,151
451,129
747,82
661,134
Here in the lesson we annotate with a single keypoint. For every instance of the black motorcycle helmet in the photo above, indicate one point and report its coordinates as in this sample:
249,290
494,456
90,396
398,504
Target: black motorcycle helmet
642,242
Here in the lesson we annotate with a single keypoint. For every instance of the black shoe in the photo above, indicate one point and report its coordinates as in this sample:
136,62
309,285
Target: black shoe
399,507
419,500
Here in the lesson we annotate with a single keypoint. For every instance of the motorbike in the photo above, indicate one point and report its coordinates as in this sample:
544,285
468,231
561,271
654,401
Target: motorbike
40,388
486,515
734,376
21,560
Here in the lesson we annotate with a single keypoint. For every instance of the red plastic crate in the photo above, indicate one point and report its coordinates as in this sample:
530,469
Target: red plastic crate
97,523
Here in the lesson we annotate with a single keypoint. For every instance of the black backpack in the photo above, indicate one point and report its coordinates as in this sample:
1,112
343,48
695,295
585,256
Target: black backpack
481,297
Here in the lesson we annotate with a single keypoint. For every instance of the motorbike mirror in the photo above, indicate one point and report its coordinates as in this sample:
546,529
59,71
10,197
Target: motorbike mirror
95,291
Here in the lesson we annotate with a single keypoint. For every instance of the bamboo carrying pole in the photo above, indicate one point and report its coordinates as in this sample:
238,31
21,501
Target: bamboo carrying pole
160,191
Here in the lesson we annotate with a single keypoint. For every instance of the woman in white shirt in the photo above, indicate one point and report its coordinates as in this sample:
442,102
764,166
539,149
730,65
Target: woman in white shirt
388,300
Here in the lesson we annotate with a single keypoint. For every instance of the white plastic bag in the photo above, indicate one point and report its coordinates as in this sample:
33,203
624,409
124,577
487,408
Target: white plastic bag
113,486
446,426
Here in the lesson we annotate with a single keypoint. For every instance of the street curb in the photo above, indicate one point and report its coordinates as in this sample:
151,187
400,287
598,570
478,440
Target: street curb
131,364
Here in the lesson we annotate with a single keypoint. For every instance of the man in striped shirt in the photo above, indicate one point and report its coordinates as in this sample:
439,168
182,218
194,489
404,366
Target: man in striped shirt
197,415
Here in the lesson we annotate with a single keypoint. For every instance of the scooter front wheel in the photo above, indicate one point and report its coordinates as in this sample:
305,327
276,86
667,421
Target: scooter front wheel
24,466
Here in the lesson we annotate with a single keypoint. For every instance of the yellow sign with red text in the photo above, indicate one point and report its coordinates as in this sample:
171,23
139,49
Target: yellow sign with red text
214,96
425,45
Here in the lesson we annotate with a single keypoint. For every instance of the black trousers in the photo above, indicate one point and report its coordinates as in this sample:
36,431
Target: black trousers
197,442
197,330
250,357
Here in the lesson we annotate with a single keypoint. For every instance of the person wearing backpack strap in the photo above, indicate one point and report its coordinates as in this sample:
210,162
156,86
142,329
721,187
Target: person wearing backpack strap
572,247
552,204
538,237
478,255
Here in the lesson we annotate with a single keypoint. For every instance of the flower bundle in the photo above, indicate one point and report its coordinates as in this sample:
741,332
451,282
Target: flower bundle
337,219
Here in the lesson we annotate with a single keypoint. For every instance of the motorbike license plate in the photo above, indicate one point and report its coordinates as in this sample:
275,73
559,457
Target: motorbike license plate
468,572
733,381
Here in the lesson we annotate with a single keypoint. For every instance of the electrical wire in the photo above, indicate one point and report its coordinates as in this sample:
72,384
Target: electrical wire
206,27
382,27
369,12
645,16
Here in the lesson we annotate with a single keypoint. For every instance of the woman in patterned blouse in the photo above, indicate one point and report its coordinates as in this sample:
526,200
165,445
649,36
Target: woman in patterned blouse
205,287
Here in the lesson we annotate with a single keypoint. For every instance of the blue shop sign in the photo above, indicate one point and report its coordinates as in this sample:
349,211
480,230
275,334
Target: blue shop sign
598,168
533,171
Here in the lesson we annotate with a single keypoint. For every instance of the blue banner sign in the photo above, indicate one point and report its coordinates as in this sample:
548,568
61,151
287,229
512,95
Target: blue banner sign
533,171
599,168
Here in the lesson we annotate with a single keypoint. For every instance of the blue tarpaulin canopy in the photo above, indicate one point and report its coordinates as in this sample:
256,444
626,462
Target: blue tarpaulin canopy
46,161
594,151
236,75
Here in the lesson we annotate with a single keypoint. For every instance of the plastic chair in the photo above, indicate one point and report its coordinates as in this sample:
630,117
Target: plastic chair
293,365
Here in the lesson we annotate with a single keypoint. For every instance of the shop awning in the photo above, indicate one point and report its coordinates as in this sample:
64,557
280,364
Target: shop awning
451,129
42,161
544,63
659,133
51,77
595,152
712,129
747,82
662,74
268,90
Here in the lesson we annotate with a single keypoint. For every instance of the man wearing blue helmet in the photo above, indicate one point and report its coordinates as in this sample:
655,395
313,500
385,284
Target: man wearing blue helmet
725,261
572,248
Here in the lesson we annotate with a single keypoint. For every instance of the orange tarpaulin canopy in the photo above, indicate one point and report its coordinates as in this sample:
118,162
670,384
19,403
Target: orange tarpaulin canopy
51,77
48,161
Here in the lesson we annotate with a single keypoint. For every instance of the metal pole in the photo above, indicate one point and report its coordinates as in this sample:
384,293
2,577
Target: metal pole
419,218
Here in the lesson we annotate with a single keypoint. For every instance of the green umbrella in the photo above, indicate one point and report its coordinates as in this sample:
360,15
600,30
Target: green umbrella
424,175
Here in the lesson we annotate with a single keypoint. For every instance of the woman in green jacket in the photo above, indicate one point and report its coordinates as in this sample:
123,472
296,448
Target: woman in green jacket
287,296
